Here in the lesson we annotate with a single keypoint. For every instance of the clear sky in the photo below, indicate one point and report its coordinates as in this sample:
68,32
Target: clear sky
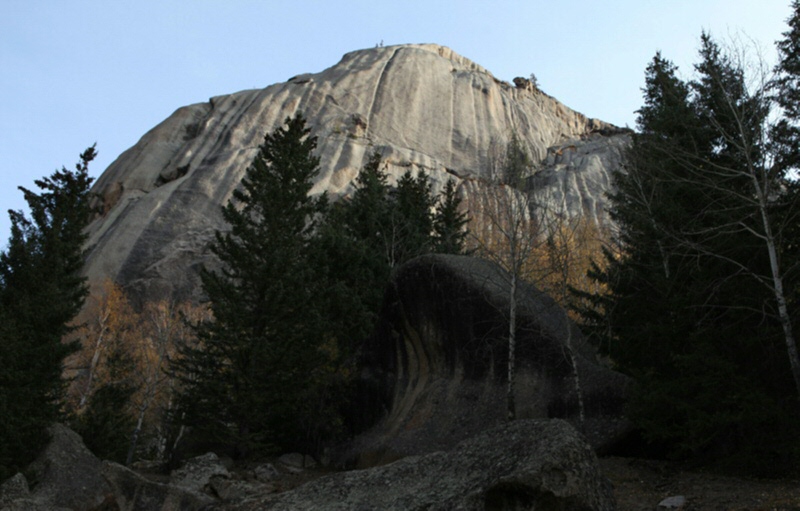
76,72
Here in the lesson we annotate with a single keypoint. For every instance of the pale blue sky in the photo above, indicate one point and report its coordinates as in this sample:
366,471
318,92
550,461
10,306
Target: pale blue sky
75,72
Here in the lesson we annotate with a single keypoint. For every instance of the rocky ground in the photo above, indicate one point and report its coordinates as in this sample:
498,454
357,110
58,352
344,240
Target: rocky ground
640,485
66,470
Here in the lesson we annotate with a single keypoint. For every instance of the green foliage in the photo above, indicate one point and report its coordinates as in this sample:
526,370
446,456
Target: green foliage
41,290
251,379
449,222
689,312
786,90
378,228
411,219
106,424
517,163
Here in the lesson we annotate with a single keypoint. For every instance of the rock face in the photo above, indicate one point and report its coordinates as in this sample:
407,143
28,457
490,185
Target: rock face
436,370
68,474
70,478
420,106
525,464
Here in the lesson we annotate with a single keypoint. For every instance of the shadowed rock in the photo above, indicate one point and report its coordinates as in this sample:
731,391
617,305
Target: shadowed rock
529,464
435,372
68,474
70,478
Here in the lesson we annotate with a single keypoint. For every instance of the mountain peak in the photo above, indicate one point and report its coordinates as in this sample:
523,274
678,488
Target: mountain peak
423,107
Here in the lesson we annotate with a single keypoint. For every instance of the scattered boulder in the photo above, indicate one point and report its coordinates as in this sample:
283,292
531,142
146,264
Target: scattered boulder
13,489
435,371
674,502
132,492
196,473
296,462
266,473
526,464
232,489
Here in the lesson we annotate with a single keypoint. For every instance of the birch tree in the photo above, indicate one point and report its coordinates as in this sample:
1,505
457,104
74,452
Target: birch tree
505,233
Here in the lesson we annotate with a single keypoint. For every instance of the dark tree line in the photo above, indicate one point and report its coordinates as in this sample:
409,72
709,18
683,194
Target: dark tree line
702,287
41,291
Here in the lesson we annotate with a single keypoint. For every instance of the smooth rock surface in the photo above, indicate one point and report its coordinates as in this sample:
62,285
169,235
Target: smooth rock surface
525,464
423,107
435,371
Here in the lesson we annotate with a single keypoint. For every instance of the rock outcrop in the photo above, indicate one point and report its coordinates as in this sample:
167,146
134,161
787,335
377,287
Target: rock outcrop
423,107
529,464
70,478
526,464
435,372
68,475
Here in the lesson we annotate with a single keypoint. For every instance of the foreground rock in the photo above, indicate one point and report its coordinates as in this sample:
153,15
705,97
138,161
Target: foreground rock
434,373
422,107
70,478
68,475
132,492
528,464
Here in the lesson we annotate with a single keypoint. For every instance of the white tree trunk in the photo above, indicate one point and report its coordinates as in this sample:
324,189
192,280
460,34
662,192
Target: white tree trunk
777,285
512,345
93,366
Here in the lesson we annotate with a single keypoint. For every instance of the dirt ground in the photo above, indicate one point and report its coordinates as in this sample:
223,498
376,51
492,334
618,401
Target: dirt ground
639,485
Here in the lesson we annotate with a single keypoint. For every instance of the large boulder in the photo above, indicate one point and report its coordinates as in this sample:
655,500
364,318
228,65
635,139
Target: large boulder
68,477
67,474
526,464
435,371
421,106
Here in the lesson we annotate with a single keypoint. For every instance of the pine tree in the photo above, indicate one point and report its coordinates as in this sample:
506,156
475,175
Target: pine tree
786,90
352,249
249,382
41,291
685,313
412,206
449,222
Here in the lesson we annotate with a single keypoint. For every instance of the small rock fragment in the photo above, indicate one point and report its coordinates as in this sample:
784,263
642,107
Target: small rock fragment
674,502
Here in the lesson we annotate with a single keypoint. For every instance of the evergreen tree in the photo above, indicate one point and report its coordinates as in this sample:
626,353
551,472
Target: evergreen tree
786,88
412,206
449,222
41,291
684,313
363,237
106,423
352,249
257,369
